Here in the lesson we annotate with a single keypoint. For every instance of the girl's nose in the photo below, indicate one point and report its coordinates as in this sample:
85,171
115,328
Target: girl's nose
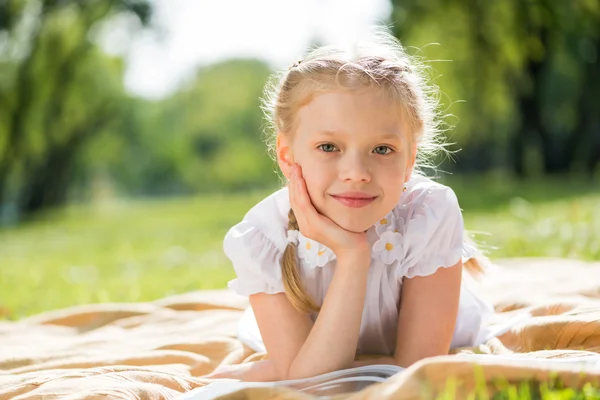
354,167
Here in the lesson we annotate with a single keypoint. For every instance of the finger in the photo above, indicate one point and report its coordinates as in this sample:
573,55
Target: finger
299,205
293,194
310,218
292,190
303,199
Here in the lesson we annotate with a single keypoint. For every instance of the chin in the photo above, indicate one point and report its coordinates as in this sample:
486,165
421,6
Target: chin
356,225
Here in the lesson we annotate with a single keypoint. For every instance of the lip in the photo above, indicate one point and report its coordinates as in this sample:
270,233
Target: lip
354,199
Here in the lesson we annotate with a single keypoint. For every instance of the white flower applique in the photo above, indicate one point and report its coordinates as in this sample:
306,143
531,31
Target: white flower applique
384,224
389,246
313,252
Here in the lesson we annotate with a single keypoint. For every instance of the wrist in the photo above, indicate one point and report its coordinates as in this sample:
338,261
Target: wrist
354,257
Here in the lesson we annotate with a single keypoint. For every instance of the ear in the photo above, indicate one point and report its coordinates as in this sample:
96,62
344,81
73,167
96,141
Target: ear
285,157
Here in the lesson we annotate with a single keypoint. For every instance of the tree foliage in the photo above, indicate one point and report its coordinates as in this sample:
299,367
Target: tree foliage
528,72
57,91
206,137
520,77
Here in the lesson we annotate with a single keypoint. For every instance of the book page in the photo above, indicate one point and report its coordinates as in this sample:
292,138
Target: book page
333,383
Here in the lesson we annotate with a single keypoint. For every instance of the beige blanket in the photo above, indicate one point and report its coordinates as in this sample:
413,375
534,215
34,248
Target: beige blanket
158,350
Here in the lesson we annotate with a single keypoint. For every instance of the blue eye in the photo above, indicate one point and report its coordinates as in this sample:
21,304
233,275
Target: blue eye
382,150
327,148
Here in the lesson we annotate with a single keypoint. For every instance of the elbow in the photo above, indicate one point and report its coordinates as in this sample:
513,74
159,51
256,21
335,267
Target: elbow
286,372
407,360
278,372
284,375
403,363
291,373
296,372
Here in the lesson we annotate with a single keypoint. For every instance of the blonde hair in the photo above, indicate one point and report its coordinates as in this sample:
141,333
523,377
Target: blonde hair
379,63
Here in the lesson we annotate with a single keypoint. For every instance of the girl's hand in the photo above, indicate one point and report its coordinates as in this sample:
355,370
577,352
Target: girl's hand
322,229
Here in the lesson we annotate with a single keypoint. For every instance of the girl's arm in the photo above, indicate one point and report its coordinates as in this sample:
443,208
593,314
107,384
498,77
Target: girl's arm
297,349
427,316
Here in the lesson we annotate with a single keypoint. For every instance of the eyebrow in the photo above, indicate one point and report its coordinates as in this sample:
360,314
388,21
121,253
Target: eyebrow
386,135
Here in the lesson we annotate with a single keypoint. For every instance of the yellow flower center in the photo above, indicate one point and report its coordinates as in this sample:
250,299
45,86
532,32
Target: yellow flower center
389,246
383,221
308,246
321,252
396,231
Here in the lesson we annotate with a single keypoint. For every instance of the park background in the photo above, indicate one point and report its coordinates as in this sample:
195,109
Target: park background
131,135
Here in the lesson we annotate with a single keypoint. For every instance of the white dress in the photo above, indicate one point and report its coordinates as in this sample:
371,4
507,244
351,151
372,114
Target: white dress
425,231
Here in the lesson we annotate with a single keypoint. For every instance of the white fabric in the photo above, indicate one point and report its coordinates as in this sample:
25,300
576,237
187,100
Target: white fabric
425,231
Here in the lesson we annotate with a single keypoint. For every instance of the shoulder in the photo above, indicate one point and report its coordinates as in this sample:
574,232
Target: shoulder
424,194
276,205
433,227
422,191
256,243
267,218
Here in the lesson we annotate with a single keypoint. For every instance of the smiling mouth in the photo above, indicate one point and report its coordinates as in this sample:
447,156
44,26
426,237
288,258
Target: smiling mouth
354,200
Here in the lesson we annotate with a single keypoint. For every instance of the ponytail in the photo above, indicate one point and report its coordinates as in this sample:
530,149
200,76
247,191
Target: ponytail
291,275
475,265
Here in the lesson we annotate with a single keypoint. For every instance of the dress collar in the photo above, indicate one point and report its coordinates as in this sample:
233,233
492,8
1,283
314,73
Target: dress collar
385,238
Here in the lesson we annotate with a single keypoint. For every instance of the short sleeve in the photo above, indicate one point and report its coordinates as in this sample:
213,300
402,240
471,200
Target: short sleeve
433,235
255,258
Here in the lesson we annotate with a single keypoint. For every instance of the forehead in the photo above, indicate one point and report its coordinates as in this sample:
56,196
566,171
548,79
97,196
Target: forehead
368,112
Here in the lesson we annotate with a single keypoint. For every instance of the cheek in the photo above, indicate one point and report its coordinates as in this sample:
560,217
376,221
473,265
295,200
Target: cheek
314,182
392,170
394,193
314,173
316,185
392,178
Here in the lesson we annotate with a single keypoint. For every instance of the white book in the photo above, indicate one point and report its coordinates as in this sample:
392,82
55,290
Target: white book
343,381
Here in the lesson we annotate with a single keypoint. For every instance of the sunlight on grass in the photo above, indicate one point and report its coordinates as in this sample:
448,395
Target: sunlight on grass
565,228
127,251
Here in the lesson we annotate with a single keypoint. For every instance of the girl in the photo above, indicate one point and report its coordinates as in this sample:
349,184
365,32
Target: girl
360,253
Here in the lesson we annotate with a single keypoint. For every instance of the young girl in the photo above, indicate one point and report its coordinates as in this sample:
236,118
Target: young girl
359,253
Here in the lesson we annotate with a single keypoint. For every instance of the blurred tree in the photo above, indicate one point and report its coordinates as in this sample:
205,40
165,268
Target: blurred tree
562,42
523,81
57,91
528,71
208,134
206,137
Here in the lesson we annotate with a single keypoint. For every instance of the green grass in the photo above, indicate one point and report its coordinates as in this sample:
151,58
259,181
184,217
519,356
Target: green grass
124,251
143,250
553,389
551,218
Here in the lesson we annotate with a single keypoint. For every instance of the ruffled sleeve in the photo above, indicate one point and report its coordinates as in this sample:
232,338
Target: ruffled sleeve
255,258
433,235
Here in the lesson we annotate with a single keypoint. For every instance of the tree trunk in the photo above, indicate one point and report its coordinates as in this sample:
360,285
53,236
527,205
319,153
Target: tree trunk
50,181
530,102
584,141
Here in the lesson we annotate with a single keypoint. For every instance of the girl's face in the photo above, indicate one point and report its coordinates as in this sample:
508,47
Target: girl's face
356,154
